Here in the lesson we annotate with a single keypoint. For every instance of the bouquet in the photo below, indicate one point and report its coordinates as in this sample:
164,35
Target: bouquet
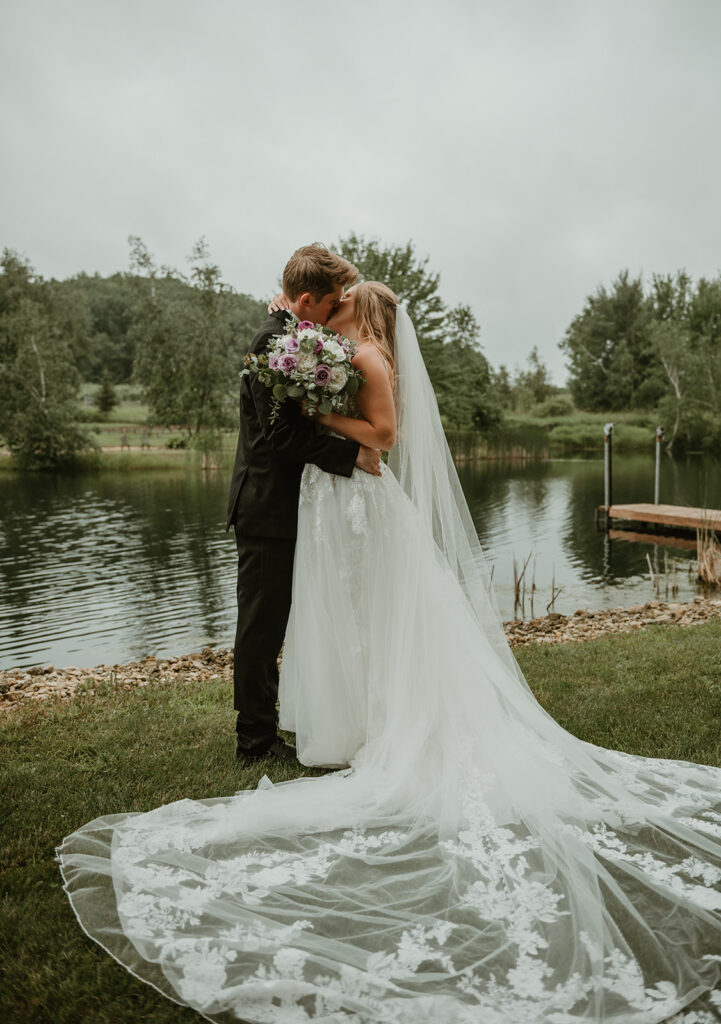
310,364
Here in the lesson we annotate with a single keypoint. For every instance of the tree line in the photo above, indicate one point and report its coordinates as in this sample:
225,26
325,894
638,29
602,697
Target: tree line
180,336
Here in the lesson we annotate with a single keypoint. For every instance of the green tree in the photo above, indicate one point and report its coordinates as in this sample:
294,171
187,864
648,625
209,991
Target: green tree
687,342
661,350
39,383
448,338
108,345
464,388
502,386
104,316
106,398
414,283
183,342
670,296
533,385
408,275
704,312
611,357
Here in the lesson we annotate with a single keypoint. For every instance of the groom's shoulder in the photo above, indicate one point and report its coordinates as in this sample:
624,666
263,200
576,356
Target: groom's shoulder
273,324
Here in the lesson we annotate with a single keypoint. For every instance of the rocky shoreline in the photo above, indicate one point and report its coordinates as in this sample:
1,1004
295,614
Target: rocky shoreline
20,685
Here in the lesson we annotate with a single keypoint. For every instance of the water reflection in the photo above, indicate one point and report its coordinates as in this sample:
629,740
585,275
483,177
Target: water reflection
546,510
107,568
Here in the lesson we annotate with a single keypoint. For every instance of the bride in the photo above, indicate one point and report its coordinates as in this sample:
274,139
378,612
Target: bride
475,863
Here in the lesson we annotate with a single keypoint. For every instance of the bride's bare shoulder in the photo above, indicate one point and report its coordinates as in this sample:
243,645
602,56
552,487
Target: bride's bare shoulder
366,350
368,356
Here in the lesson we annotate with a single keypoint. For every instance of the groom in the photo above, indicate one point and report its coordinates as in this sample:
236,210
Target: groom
263,503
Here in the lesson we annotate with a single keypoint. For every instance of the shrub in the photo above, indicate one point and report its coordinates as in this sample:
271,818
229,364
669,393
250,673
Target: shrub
558,405
106,398
576,437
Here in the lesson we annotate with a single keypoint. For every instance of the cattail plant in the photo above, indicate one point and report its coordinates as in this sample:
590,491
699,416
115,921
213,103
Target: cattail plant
708,556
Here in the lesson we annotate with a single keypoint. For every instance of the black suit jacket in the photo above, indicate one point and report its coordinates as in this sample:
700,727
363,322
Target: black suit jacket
270,457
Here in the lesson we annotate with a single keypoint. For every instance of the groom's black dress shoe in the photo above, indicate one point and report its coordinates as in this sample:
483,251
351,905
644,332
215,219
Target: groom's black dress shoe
279,749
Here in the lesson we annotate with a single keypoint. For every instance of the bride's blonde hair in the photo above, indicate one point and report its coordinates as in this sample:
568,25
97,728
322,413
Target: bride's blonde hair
375,316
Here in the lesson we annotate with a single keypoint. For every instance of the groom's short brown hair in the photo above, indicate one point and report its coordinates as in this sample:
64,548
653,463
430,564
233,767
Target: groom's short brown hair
315,269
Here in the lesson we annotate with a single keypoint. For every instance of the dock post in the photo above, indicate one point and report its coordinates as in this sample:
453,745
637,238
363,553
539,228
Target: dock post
657,481
607,467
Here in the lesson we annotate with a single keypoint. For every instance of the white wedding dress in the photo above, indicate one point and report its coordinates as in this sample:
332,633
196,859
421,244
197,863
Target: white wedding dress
476,864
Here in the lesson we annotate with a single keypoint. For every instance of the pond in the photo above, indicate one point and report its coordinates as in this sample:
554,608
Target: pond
109,567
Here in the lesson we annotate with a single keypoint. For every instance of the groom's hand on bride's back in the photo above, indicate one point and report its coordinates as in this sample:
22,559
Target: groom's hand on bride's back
369,460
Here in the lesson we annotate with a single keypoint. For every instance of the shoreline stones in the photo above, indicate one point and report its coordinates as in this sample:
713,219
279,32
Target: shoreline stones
40,683
587,625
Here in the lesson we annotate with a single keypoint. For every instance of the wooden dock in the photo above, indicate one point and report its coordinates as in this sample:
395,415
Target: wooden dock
671,516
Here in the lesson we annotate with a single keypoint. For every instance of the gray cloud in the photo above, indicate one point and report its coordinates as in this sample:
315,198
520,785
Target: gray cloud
531,149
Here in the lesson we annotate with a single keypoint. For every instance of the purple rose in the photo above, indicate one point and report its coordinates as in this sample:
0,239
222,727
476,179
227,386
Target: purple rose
323,375
318,347
292,344
273,361
287,363
306,325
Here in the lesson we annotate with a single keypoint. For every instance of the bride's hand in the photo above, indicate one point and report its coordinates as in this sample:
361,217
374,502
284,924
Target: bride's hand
278,303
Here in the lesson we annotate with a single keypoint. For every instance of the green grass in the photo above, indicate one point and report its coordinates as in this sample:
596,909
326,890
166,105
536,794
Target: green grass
123,462
577,432
656,693
583,431
568,437
636,417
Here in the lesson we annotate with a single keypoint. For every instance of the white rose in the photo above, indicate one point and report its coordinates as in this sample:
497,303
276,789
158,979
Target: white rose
332,348
307,361
338,378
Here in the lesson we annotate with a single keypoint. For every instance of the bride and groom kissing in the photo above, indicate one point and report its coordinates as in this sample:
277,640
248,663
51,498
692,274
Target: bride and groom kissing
476,863
264,495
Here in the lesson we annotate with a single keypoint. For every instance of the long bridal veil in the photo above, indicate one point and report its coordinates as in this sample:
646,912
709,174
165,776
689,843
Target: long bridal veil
477,864
424,467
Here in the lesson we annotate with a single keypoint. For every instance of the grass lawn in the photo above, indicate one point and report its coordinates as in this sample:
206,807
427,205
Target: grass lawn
656,693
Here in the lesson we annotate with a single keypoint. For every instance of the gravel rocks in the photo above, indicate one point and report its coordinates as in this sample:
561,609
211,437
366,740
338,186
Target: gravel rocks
586,625
39,683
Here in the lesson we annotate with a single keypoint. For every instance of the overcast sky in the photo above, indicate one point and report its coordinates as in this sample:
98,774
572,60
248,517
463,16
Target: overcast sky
530,148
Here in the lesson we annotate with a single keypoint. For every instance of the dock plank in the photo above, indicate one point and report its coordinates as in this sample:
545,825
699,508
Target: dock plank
668,515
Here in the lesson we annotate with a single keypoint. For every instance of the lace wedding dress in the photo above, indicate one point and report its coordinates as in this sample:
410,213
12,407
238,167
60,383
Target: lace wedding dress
475,864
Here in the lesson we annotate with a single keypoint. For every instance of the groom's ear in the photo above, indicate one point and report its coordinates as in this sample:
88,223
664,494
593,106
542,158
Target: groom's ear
305,299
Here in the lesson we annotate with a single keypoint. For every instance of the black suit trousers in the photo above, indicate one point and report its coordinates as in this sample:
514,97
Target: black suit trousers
265,579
